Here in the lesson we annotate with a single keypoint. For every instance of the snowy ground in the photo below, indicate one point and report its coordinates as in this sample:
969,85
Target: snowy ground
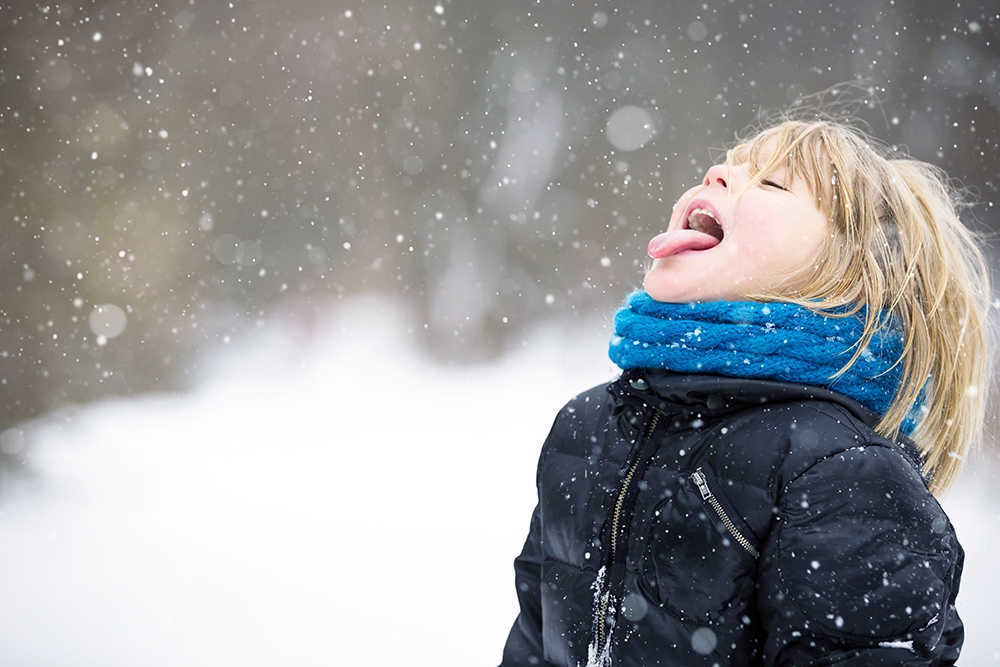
324,498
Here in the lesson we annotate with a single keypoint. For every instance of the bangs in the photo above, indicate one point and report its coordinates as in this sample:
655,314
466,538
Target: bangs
833,163
800,150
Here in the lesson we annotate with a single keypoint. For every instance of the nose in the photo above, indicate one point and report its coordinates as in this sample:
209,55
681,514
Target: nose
717,175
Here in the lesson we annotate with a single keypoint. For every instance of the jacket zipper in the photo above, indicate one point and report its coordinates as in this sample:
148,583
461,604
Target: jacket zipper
615,523
706,494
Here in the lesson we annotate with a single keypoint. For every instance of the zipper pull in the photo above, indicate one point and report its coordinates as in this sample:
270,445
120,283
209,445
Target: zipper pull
699,478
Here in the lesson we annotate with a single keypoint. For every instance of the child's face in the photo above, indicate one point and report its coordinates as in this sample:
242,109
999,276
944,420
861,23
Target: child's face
717,248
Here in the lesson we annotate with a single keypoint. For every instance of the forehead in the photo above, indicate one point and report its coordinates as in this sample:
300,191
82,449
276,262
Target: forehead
762,147
796,150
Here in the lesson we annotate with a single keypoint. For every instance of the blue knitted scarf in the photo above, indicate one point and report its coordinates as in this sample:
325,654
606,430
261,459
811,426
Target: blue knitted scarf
769,341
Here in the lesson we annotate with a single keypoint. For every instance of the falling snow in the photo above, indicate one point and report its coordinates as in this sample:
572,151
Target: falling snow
182,178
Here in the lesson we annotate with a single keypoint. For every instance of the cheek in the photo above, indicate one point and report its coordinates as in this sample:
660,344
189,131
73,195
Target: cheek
787,235
807,239
767,252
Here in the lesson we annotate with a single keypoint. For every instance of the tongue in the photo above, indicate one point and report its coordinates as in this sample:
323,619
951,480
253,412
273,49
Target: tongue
679,240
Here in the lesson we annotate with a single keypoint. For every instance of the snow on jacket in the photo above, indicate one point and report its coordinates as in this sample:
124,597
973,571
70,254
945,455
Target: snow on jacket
703,520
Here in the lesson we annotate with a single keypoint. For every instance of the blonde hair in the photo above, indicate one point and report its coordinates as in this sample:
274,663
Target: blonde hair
896,247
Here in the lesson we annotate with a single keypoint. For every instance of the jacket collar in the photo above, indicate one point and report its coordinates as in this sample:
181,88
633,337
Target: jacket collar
717,395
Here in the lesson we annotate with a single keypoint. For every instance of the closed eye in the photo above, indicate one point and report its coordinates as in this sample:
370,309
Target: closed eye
774,185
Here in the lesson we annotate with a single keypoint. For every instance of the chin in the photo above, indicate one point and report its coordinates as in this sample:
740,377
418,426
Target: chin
673,293
673,296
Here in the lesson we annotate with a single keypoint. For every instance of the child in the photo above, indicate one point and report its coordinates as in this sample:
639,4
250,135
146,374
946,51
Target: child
805,368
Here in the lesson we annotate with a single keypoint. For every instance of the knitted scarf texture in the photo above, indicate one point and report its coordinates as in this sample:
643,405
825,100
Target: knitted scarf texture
768,341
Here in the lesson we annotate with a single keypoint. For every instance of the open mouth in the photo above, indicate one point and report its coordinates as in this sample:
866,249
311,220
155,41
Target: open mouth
702,220
700,230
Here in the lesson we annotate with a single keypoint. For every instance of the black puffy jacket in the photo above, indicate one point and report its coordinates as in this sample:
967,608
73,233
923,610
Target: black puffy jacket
703,520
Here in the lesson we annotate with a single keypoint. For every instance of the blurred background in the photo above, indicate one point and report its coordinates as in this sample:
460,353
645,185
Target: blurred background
174,174
190,185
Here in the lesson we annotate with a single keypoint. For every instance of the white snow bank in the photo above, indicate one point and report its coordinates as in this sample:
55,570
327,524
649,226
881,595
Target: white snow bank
326,497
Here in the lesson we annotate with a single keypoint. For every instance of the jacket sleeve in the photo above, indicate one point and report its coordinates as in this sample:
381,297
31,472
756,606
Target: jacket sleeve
861,569
524,643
